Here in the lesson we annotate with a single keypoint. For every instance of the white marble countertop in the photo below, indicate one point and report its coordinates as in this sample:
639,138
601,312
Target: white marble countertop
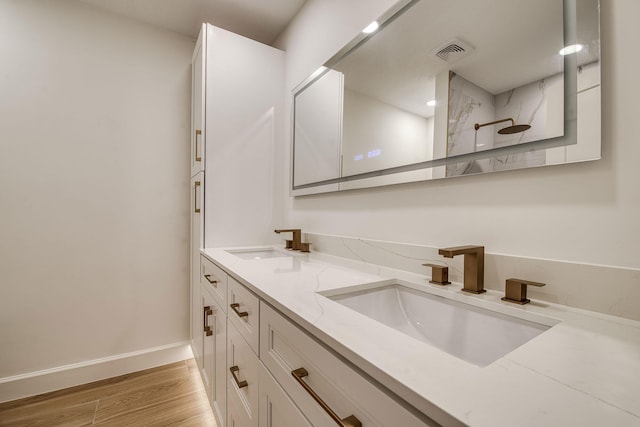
584,371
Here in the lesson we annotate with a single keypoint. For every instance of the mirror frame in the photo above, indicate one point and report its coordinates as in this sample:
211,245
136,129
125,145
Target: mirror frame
368,179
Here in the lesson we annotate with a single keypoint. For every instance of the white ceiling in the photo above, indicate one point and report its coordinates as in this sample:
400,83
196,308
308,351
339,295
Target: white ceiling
261,20
514,42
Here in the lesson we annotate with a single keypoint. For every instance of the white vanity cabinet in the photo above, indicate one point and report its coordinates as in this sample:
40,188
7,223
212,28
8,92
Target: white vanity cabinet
314,377
261,369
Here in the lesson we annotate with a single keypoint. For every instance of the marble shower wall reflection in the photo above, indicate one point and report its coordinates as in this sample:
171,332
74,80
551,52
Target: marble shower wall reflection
468,104
539,104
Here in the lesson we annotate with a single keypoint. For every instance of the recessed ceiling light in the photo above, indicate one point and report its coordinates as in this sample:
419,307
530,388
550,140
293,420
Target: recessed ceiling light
431,103
371,28
568,50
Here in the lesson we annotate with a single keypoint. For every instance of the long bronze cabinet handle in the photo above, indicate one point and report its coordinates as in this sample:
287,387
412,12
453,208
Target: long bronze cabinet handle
235,308
197,156
196,185
350,421
234,370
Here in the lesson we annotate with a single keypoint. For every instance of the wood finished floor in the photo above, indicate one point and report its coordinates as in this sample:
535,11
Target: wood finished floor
170,395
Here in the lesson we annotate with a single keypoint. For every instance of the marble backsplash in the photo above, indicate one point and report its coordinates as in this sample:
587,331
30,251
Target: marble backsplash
604,289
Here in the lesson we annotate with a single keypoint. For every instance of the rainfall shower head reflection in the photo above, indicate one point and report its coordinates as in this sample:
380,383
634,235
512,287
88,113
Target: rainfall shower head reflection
514,128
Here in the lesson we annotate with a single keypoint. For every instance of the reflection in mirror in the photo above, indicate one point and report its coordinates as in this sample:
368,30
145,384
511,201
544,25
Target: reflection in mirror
452,88
317,132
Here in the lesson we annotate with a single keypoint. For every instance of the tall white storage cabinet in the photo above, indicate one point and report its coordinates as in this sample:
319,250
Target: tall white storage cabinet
237,117
244,118
197,194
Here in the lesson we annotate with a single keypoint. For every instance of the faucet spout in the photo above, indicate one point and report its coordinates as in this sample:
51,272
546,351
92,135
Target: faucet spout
296,242
473,266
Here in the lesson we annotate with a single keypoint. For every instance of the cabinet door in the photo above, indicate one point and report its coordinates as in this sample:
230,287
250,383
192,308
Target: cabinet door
243,380
198,67
244,127
237,415
196,244
276,409
215,356
196,324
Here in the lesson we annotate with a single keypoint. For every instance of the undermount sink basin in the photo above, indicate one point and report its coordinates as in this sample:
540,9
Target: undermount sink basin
259,253
471,333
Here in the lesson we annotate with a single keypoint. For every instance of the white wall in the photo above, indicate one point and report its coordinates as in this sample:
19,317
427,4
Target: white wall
586,212
318,133
94,185
377,135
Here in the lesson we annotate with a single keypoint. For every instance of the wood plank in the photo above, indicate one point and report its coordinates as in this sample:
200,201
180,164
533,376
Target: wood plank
68,416
192,366
167,413
167,395
94,391
200,421
151,395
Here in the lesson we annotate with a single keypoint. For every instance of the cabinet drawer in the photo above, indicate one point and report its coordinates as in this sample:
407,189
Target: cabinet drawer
215,280
243,375
244,312
285,348
276,409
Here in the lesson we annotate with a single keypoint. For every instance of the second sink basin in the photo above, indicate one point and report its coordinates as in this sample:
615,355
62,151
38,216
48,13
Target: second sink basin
471,333
258,253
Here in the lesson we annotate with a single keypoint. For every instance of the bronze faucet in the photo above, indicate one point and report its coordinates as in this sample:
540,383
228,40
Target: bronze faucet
473,266
296,243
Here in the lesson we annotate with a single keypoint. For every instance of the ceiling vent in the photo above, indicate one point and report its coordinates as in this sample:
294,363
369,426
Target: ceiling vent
452,50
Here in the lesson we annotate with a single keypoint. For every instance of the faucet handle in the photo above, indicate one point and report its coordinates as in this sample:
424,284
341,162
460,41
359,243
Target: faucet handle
516,290
439,274
304,247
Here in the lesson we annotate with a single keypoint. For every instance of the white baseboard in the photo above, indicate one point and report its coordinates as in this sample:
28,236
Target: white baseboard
34,383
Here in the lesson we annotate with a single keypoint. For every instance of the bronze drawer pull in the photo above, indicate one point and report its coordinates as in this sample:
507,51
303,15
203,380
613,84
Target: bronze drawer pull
207,312
196,185
350,421
213,282
239,383
198,132
235,306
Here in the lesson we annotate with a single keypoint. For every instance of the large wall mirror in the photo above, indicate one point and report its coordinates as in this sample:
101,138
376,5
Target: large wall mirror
451,88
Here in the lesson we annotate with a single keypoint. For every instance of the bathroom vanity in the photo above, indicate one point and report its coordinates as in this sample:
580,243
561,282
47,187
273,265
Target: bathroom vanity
290,328
284,338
